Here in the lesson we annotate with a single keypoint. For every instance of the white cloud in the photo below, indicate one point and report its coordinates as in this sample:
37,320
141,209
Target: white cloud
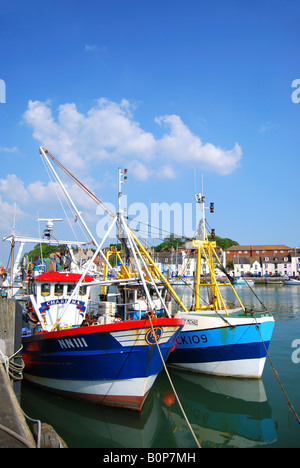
13,188
180,144
108,132
5,149
267,126
9,211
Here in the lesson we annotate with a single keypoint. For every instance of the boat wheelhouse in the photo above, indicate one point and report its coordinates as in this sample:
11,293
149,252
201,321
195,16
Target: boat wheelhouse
51,291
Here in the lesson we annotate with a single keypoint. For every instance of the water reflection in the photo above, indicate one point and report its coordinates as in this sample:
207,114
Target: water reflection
223,412
85,425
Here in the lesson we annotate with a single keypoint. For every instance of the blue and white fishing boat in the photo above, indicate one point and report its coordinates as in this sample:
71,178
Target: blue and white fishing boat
98,356
292,281
217,338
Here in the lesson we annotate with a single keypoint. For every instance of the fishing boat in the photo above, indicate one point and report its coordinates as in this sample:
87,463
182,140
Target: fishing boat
292,281
243,282
218,338
93,355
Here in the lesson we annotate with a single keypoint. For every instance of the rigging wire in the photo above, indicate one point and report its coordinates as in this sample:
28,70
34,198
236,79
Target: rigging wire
173,388
61,203
267,353
80,184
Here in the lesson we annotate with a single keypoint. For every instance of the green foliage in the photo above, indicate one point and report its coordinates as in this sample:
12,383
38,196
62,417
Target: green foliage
174,242
35,253
224,243
170,242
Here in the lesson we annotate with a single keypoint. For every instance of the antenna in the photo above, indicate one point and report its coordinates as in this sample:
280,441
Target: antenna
122,178
49,226
200,198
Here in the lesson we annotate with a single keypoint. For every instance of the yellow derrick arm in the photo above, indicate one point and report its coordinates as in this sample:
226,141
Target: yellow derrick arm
159,274
235,293
218,300
124,269
217,297
105,271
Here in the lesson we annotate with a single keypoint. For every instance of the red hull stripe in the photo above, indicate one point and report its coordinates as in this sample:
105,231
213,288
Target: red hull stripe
133,324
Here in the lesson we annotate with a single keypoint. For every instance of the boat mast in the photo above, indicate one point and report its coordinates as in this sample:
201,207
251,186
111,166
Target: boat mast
206,248
126,233
43,152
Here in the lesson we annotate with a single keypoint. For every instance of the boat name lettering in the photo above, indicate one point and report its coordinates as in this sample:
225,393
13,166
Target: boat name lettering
188,339
68,343
46,305
191,322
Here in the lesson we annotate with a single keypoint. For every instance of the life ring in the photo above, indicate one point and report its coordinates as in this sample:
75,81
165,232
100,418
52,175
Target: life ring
2,270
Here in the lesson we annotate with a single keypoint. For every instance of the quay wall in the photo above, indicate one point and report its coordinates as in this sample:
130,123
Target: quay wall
11,333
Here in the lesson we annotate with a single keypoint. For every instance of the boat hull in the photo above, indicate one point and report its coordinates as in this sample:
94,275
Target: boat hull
235,347
113,364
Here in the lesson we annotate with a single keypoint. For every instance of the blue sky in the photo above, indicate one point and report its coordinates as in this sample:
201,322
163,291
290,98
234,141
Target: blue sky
172,90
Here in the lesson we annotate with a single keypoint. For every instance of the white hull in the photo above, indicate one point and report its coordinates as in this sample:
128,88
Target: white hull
244,368
103,392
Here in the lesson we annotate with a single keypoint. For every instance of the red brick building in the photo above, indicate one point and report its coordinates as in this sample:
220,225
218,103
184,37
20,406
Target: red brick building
257,250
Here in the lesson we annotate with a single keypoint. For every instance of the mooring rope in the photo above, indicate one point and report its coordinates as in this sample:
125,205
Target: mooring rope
173,388
269,357
276,373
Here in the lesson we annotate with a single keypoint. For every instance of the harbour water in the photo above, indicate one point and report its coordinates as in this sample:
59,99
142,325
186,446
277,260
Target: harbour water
223,412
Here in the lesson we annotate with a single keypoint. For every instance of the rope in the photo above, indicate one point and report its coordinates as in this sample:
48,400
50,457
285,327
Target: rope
39,428
16,436
173,388
267,353
11,367
275,371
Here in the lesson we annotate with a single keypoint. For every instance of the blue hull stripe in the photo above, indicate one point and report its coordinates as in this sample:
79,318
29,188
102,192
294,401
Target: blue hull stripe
100,357
222,344
219,353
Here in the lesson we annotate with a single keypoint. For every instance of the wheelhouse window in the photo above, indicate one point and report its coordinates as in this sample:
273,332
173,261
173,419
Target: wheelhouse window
45,289
58,289
70,289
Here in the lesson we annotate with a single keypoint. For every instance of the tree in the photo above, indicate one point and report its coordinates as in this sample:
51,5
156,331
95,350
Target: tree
224,243
35,253
169,243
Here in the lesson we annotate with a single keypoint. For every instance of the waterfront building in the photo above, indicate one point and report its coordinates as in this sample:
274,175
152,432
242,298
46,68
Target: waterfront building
257,250
264,260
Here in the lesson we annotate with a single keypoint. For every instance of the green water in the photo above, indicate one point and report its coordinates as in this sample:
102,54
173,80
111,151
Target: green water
223,412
